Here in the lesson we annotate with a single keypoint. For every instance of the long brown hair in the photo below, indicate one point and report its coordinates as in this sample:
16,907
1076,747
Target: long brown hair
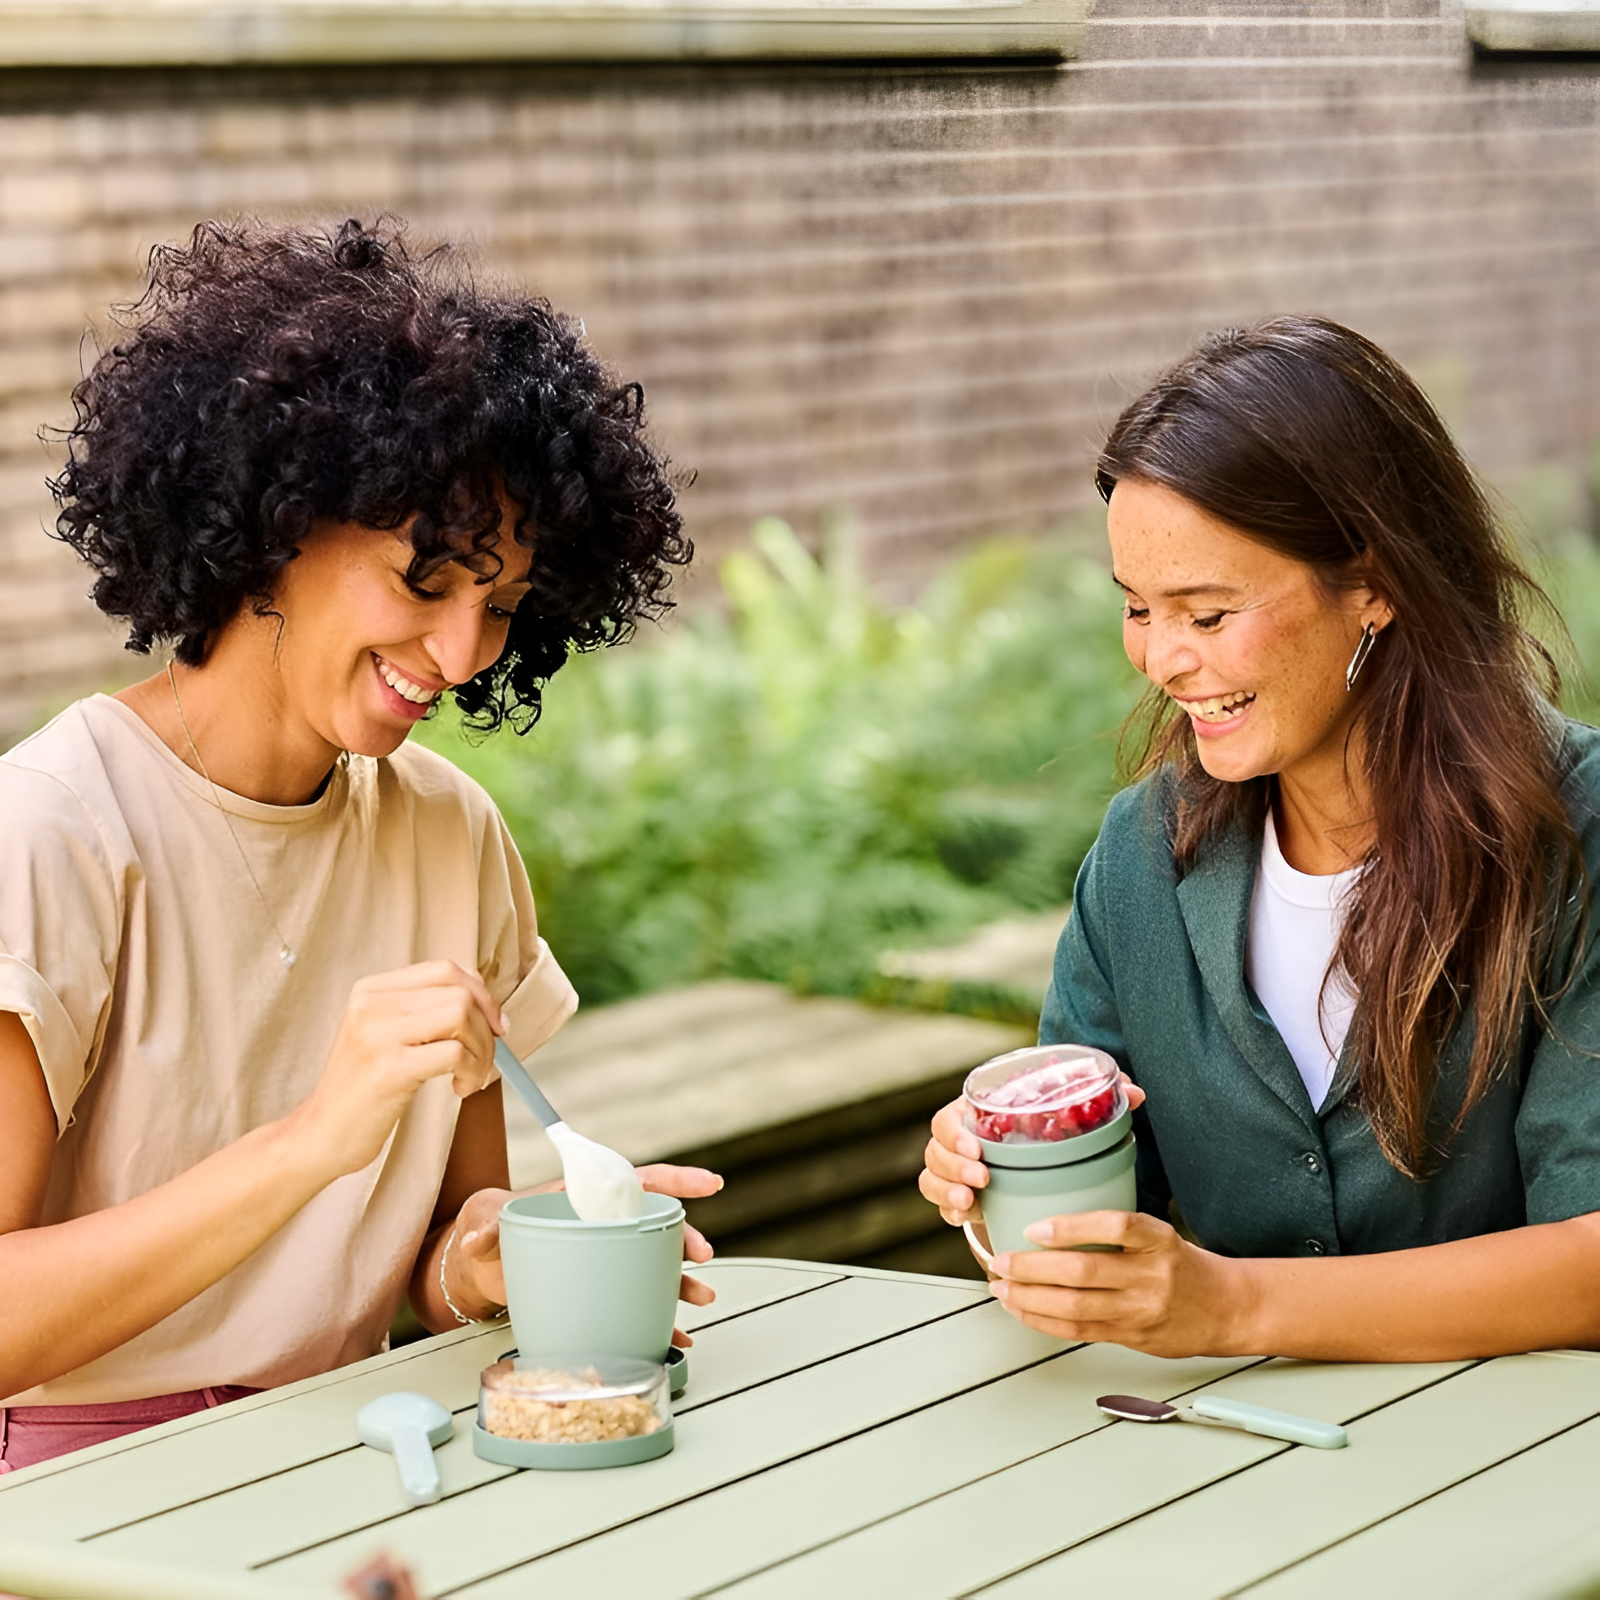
1308,438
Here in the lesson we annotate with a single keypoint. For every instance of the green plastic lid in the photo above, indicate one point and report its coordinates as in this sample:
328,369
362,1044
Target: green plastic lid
571,1457
1059,1152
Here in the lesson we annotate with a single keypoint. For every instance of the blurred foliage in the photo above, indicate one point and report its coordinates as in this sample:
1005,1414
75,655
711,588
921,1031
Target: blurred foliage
1556,512
786,787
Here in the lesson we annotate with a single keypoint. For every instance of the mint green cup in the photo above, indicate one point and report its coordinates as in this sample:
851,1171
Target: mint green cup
1029,1182
1037,1115
599,1288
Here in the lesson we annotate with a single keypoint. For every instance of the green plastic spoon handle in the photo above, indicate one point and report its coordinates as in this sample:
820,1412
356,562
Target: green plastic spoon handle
419,1472
1271,1424
527,1090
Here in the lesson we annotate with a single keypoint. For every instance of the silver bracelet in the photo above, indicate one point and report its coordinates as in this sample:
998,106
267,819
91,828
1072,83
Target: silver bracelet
455,1310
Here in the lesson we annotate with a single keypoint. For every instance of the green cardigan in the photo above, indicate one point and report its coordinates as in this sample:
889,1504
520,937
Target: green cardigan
1150,967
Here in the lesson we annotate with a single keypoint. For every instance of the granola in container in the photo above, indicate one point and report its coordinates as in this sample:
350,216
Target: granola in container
573,1402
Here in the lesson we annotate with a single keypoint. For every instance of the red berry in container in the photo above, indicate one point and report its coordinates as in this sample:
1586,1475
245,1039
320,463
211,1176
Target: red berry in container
1096,1112
1042,1096
993,1125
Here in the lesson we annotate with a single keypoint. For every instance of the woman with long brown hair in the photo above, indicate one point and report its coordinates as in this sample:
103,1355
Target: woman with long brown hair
1338,934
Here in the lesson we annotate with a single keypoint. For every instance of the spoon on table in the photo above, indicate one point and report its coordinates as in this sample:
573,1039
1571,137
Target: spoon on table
1221,1413
408,1426
601,1184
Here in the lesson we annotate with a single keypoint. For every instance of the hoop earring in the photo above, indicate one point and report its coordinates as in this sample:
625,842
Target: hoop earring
1363,649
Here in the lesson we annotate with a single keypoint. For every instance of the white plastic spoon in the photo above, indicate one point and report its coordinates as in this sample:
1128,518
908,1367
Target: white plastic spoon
408,1426
602,1185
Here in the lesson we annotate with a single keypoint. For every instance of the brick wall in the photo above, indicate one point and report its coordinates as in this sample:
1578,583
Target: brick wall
917,293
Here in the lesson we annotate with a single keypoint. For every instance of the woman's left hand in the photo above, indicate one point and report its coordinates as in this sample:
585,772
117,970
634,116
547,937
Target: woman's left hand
1158,1293
475,1257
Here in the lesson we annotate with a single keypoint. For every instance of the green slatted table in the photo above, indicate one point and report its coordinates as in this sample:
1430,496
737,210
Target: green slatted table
849,1432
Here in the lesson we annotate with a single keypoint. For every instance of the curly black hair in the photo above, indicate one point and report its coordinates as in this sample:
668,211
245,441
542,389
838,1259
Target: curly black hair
273,377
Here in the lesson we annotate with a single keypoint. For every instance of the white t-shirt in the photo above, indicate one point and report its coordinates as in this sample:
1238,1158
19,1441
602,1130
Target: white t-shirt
146,971
1294,926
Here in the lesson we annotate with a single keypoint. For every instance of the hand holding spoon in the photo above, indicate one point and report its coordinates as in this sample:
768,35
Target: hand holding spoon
601,1184
1219,1412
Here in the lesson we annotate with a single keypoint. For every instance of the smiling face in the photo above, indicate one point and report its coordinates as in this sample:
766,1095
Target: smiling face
1246,640
362,655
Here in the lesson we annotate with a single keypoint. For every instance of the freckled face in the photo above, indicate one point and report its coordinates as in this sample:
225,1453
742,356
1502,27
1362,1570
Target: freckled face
363,655
1244,639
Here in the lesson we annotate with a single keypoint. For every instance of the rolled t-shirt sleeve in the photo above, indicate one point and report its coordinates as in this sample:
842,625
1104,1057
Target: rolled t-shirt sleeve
60,924
516,963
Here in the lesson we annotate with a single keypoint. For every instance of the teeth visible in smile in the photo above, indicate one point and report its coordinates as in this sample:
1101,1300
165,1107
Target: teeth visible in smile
1219,708
404,687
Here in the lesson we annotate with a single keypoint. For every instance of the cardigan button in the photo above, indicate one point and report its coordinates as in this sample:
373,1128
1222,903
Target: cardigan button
1313,1165
1316,1247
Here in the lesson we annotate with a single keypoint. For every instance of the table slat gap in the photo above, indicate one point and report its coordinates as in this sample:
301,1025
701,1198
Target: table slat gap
199,1500
905,1405
162,1432
745,1311
691,1404
353,1492
967,1483
1202,1488
979,1291
758,1472
27,1495
1412,1505
1123,1474
1431,1440
20,1492
1108,1370
825,1281
769,1424
1478,1536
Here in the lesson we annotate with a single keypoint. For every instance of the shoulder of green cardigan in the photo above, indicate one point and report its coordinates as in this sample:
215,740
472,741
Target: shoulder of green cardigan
1578,760
1136,833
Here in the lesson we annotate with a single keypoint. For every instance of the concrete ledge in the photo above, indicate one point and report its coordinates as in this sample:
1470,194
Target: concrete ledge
143,33
1535,25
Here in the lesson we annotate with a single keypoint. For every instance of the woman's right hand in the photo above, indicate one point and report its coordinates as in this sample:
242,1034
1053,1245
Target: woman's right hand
953,1169
476,1257
432,1020
77,1289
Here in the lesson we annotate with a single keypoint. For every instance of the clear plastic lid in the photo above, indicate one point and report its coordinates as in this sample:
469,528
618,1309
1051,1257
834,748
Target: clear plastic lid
573,1400
1043,1094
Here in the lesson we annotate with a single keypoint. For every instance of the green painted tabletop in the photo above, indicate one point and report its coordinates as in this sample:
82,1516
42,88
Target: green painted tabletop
848,1432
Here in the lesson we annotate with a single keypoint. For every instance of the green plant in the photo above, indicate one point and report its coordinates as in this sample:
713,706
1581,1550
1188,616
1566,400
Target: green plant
1555,511
783,789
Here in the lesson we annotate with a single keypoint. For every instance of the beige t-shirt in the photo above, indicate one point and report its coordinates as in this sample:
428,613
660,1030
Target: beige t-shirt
147,972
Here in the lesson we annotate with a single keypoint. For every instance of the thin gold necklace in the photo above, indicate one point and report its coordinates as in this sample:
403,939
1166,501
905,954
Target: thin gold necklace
285,954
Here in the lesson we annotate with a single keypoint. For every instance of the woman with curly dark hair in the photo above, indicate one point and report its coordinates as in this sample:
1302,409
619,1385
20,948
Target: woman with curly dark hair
255,947
1340,935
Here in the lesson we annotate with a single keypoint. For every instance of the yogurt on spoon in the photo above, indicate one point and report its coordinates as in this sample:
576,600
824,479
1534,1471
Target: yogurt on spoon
602,1185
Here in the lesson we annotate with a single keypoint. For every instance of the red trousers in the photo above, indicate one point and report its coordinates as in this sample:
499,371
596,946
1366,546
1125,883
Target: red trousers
39,1433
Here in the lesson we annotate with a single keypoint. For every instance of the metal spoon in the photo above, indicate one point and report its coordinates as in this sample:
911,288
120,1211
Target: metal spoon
1218,1412
601,1184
